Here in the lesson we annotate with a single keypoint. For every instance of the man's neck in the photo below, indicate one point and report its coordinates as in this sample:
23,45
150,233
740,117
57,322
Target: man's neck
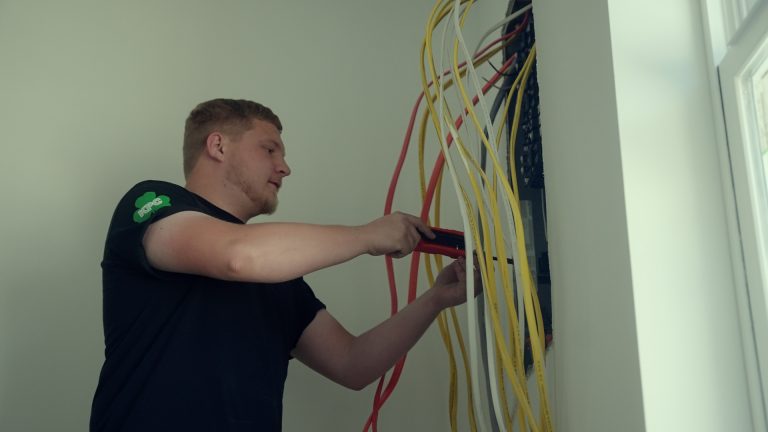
223,196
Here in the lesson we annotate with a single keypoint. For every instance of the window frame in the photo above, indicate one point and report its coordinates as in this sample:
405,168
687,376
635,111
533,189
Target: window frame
739,48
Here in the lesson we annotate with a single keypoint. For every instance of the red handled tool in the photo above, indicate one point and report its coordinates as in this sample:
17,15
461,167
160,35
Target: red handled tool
446,242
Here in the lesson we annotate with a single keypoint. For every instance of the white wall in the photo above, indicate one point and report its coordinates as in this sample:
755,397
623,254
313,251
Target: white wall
643,292
597,379
93,96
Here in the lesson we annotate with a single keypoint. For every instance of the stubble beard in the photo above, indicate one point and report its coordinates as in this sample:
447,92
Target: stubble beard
262,199
269,205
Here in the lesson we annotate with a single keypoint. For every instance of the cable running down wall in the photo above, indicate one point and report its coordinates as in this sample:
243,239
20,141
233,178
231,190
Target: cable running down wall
489,156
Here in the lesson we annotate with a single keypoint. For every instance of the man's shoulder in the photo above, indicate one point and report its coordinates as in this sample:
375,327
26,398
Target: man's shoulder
150,198
160,186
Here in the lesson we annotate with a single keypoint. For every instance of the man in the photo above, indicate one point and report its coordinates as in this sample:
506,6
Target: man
202,312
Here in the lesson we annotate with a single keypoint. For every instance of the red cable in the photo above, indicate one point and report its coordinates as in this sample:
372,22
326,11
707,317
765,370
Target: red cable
439,164
404,152
414,111
379,398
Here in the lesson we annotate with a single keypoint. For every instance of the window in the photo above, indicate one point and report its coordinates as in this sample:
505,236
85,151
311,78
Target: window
736,14
743,73
761,109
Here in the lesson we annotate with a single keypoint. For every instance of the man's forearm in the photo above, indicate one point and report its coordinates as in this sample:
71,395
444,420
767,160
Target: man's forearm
275,252
194,243
378,349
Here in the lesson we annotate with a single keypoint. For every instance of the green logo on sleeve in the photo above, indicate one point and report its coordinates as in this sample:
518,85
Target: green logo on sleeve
148,204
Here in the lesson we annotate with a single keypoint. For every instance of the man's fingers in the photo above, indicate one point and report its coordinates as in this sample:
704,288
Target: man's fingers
417,229
405,233
422,227
461,267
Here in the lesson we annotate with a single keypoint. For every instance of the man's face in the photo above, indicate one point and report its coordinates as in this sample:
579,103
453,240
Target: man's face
258,166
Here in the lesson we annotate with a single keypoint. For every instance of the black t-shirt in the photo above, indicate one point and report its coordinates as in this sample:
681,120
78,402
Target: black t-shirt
186,352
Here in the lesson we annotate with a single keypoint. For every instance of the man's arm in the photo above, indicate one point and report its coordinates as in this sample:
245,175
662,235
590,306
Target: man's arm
356,361
195,243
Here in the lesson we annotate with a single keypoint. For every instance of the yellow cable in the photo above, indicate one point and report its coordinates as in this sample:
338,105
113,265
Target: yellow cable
530,296
429,99
446,339
490,289
516,347
534,293
527,281
518,363
468,218
524,74
530,314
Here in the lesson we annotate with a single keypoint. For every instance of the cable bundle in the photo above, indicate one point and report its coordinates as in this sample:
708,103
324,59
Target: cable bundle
508,316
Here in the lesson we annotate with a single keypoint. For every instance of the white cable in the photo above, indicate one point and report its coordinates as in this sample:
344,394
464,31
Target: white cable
491,367
489,329
472,74
490,343
510,7
501,23
511,244
504,202
471,312
484,343
492,363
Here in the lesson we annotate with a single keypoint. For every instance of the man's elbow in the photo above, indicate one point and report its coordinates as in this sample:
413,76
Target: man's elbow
356,382
356,385
236,265
244,265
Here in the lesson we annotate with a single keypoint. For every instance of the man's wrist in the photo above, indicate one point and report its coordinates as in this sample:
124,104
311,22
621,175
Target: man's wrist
434,301
362,237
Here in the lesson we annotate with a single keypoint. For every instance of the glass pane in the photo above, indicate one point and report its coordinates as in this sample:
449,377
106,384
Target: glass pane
760,84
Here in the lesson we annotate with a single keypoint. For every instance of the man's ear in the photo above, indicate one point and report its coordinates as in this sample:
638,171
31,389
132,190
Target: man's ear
214,146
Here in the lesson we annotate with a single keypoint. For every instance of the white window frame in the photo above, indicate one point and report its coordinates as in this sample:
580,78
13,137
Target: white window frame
737,12
735,30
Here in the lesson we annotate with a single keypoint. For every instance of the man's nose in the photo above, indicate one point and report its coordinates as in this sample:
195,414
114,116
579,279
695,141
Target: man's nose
283,168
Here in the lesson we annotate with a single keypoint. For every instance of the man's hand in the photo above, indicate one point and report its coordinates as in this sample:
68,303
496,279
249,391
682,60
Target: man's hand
396,234
450,285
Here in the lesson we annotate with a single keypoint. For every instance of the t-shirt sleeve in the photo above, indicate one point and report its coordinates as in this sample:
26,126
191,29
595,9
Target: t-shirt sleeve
144,204
305,308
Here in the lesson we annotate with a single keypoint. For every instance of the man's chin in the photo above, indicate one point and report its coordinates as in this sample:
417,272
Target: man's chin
269,207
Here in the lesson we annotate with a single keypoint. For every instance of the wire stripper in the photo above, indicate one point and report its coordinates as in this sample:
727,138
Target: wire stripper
447,242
